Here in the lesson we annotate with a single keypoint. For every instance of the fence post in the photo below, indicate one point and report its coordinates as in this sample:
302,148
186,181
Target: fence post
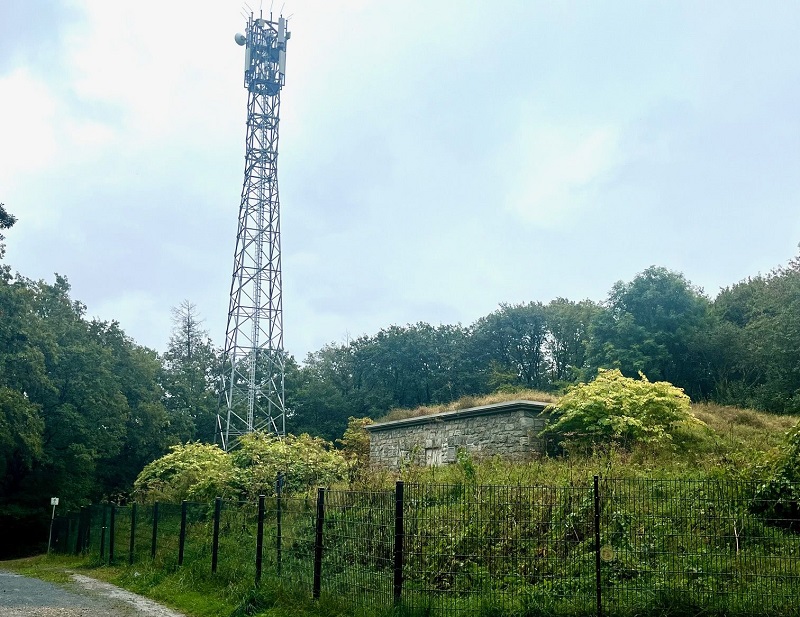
597,562
87,530
111,533
87,537
260,538
318,543
81,524
69,533
133,533
278,516
182,538
154,539
398,541
215,540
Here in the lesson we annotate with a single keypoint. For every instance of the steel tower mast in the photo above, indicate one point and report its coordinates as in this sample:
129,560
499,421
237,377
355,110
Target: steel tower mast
253,367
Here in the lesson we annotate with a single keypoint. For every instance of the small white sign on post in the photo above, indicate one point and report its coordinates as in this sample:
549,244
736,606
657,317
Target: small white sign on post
54,503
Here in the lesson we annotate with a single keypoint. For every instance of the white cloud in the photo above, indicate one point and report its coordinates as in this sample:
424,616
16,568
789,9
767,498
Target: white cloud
154,65
28,140
553,171
89,134
137,311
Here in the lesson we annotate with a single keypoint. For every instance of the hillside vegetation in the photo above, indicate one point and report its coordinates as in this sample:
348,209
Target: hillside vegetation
736,426
84,408
738,443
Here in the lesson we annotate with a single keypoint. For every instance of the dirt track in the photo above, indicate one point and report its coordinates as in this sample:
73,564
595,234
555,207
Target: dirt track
82,597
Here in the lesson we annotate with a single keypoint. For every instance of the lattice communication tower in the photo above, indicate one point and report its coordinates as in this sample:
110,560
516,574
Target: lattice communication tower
253,368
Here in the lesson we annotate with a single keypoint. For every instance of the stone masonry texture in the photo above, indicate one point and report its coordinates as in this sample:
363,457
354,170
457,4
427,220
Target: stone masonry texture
506,429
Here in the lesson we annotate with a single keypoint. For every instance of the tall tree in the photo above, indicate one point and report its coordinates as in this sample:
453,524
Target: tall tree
321,394
764,312
80,407
148,430
728,347
568,324
190,376
652,325
408,366
82,404
509,344
404,366
778,335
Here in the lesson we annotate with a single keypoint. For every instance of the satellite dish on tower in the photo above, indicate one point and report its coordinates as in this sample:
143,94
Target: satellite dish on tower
240,39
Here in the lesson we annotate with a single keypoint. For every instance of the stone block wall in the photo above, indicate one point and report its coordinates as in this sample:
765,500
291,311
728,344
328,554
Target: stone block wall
506,429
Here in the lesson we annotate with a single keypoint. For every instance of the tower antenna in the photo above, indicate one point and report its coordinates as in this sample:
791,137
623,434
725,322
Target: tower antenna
252,389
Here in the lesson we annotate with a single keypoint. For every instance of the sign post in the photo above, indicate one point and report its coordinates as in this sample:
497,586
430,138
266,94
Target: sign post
54,503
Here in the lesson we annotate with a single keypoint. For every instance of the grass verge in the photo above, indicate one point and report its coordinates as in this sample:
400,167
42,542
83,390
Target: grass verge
186,590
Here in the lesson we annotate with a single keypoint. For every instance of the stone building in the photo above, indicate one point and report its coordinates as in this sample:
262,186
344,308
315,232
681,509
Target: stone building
508,429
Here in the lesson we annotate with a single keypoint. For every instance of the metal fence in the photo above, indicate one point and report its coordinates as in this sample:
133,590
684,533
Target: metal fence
615,547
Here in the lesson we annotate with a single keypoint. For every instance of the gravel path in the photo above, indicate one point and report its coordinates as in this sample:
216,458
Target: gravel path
83,597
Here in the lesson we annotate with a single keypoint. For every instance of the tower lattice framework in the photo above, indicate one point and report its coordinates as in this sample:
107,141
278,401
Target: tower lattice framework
254,360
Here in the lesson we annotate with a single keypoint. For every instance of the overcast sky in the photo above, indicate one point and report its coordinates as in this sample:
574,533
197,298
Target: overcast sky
436,157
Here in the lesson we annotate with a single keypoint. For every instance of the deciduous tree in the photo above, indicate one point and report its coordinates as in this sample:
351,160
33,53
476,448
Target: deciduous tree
509,344
651,325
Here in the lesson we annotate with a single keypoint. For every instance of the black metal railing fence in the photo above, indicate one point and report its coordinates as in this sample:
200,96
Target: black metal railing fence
614,547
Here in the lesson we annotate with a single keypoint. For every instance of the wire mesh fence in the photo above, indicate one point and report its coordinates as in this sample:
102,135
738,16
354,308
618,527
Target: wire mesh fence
617,547
701,546
500,549
358,541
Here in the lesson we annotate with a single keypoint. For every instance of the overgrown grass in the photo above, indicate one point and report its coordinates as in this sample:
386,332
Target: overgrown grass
745,428
465,402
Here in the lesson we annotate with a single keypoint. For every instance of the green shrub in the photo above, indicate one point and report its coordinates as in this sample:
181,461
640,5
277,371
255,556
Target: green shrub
355,446
305,461
779,496
194,471
614,409
200,472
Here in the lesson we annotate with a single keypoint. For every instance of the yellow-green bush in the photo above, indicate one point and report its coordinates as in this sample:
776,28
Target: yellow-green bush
194,471
200,472
614,409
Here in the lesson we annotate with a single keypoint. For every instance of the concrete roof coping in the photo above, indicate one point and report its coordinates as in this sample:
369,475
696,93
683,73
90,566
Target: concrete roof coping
444,416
